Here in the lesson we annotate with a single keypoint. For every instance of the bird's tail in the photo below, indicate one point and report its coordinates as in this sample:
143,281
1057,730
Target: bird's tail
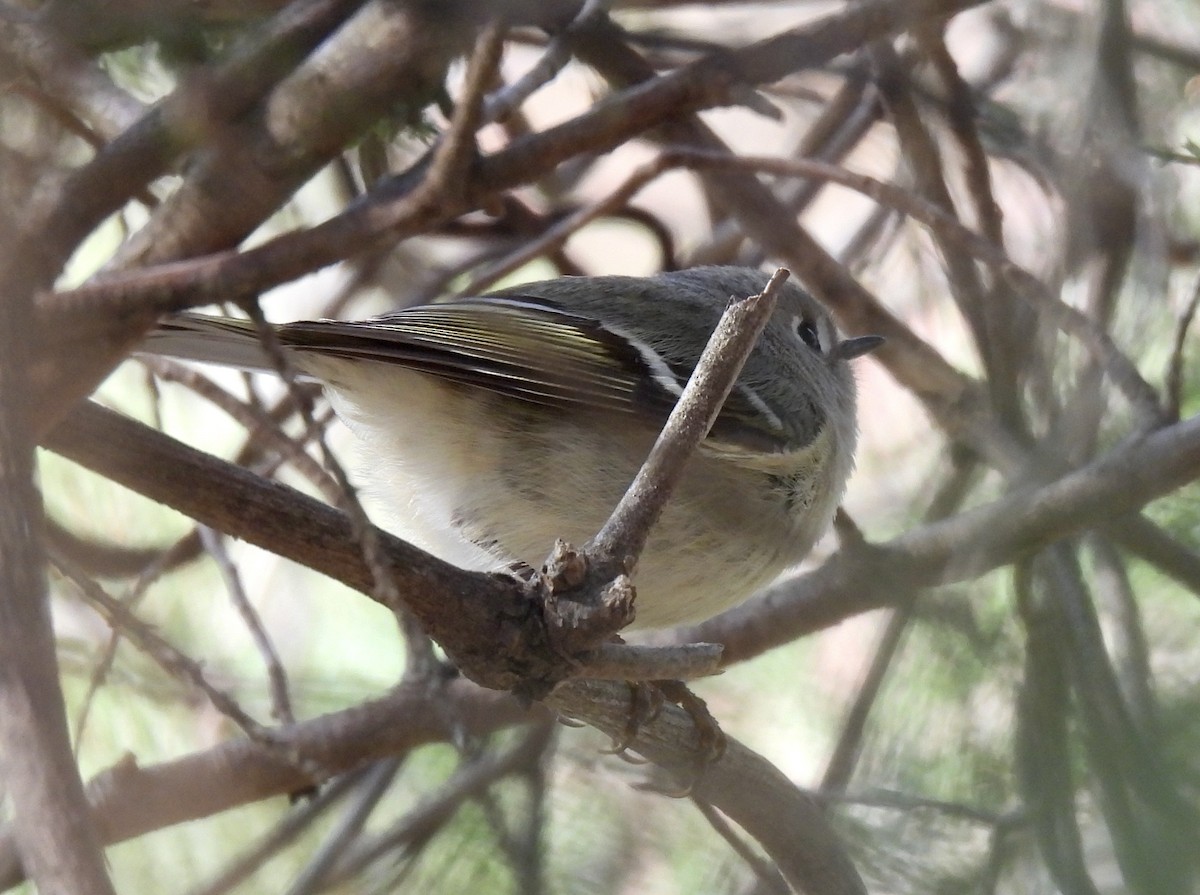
228,341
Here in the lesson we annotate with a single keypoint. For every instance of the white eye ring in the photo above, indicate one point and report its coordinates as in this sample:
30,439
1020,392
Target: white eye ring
807,332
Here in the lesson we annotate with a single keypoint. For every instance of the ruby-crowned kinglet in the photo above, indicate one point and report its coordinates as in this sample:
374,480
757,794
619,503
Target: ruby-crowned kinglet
522,416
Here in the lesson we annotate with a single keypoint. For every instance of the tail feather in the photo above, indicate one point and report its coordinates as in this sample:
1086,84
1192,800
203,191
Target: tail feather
215,340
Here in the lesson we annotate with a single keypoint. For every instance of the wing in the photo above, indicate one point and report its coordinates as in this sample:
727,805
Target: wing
528,350
533,350
525,348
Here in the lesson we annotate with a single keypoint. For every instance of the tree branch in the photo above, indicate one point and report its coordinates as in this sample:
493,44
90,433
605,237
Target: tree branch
53,829
961,547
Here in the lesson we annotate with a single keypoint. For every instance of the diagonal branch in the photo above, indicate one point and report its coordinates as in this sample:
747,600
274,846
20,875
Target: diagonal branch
625,533
960,547
53,830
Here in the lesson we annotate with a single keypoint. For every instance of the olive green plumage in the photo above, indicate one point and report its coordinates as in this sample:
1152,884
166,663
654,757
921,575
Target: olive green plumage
496,424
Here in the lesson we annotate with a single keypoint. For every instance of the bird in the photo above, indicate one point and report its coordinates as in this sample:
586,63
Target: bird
496,424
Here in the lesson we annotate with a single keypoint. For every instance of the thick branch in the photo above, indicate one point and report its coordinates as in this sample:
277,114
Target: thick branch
742,784
129,801
961,547
475,617
53,829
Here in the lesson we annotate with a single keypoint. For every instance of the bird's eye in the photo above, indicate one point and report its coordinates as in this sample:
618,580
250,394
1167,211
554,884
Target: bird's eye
808,334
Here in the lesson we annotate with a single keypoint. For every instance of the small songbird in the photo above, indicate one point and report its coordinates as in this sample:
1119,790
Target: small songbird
511,419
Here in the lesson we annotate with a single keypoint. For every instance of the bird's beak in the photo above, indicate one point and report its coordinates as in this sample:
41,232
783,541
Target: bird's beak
848,349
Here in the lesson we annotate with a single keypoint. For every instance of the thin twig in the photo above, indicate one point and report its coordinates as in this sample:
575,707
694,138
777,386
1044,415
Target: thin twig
165,561
260,427
419,656
626,662
372,786
769,877
518,841
558,53
172,660
1125,636
181,666
1151,544
624,534
554,237
923,158
448,171
960,109
840,767
1175,370
281,701
297,823
345,495
470,779
602,573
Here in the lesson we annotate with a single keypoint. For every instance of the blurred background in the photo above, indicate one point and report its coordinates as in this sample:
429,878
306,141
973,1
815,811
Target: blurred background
970,737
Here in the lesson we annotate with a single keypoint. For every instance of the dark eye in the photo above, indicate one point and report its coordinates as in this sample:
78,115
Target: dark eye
808,334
